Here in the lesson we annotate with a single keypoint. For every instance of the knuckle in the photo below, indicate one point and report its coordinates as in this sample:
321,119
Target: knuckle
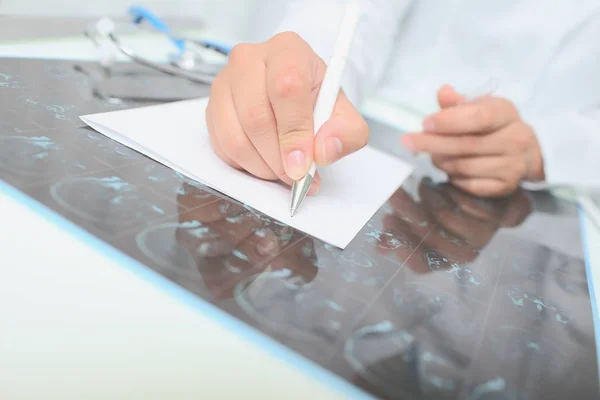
293,136
295,130
290,82
236,147
287,37
240,52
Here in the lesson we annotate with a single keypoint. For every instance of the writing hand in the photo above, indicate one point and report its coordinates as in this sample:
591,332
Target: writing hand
260,112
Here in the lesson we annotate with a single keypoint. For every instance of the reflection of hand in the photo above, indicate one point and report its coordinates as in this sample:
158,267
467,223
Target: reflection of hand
229,227
233,242
483,145
450,221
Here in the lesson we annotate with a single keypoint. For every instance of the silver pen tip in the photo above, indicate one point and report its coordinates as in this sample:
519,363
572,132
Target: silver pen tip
299,191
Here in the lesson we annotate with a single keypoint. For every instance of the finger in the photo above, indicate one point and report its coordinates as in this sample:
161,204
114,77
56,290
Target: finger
232,231
472,145
473,206
433,197
216,145
291,76
448,243
251,101
519,207
344,133
398,237
442,209
301,259
473,167
237,227
485,187
483,116
411,238
251,252
267,242
232,139
214,141
448,97
190,236
472,230
408,210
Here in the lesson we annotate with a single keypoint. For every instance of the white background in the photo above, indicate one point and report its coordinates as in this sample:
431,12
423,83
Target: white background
244,19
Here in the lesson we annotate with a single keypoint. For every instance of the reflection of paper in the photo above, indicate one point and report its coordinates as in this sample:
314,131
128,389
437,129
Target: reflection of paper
175,134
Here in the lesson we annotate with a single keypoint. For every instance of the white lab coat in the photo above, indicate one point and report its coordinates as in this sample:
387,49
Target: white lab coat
544,56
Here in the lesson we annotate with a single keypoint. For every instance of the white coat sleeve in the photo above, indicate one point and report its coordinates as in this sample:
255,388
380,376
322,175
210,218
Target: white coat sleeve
565,110
318,21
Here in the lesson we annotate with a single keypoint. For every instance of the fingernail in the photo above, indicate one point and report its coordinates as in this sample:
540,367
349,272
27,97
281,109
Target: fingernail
429,124
408,142
333,148
296,165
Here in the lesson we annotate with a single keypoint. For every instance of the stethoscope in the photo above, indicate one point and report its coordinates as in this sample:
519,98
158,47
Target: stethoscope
189,60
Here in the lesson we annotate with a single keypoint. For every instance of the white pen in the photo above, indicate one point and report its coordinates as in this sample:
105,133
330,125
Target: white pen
328,93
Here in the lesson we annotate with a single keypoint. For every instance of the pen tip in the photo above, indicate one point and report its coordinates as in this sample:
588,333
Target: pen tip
292,212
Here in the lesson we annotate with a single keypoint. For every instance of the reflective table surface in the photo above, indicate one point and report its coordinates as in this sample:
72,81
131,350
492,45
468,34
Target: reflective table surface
438,297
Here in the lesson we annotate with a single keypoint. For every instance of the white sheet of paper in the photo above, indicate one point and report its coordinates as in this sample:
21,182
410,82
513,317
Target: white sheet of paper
175,135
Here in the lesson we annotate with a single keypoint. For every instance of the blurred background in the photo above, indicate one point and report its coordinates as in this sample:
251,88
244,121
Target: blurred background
237,20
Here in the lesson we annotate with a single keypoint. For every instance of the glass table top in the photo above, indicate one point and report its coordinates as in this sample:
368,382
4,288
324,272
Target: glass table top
436,297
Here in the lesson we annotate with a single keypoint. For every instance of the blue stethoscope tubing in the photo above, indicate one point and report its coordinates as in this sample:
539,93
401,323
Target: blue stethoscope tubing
140,14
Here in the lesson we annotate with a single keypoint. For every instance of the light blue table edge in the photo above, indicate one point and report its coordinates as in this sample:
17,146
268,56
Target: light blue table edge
229,322
225,320
588,271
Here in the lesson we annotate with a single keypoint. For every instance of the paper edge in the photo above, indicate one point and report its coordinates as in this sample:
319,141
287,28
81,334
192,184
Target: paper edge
98,127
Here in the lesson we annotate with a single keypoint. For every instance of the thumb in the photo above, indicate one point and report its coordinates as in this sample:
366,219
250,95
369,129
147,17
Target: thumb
448,97
344,133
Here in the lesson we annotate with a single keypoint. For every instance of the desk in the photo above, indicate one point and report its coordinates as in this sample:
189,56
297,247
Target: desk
440,296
